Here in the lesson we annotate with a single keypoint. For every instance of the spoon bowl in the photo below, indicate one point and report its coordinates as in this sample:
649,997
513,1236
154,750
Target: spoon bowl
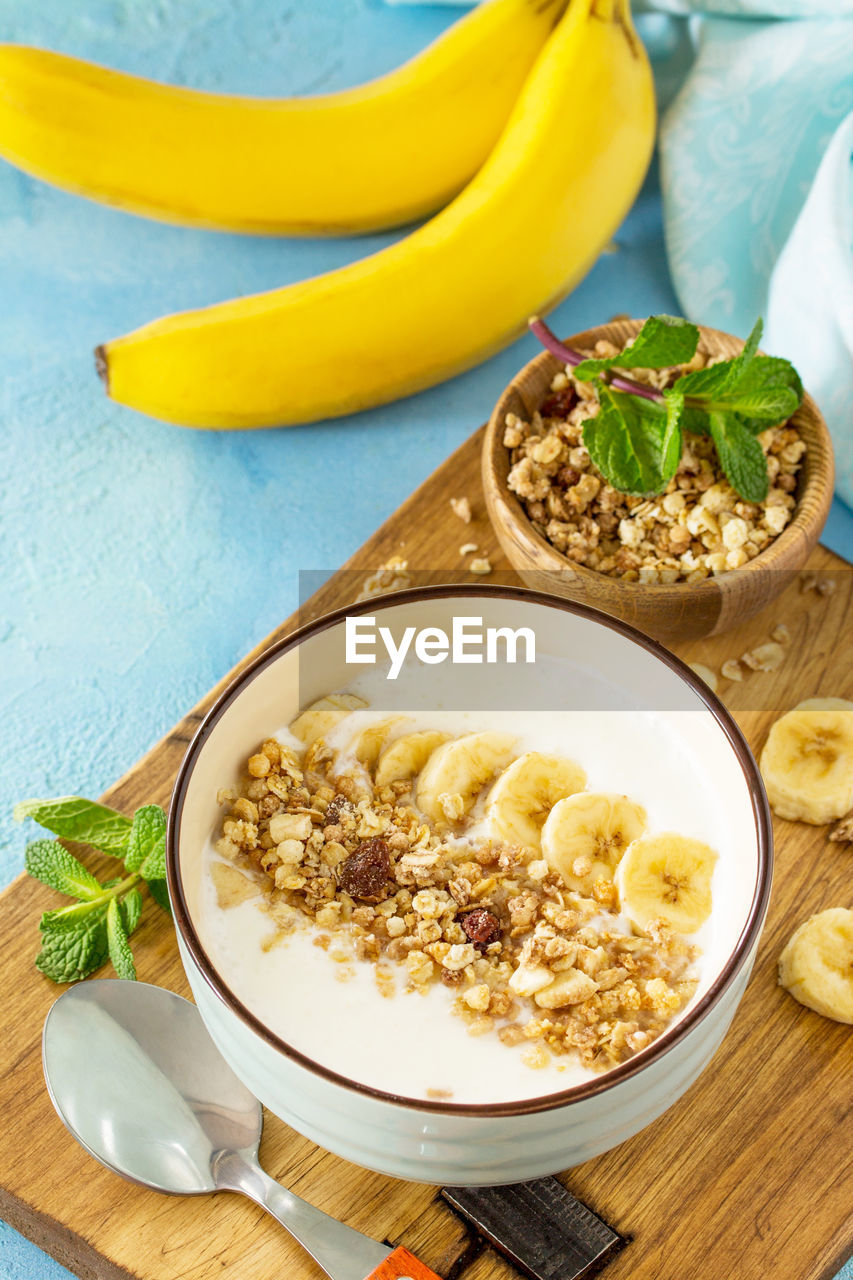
140,1084
137,1080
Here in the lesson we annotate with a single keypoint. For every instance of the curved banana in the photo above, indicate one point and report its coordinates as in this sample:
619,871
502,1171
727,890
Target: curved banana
815,965
322,716
526,792
667,877
520,236
586,834
457,771
807,761
367,743
378,155
407,755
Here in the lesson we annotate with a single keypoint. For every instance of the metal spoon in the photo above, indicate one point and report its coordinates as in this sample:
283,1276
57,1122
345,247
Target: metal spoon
137,1080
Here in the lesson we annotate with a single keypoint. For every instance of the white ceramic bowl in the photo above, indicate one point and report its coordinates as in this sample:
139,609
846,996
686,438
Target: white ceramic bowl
438,1141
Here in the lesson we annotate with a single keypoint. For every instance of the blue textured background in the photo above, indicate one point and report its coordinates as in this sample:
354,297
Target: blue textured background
140,561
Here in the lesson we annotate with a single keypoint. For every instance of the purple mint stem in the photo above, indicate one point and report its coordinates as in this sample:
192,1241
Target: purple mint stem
567,355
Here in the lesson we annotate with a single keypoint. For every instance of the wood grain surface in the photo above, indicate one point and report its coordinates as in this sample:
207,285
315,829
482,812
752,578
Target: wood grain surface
750,1175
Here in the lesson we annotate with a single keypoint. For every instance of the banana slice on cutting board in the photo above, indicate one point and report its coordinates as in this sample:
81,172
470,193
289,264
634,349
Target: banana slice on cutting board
366,745
816,966
406,756
807,761
526,792
457,771
586,835
667,876
322,716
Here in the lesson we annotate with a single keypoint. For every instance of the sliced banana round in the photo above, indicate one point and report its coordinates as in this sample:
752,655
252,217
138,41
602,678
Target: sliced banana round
526,792
817,964
586,835
457,771
322,716
807,761
667,876
368,742
406,756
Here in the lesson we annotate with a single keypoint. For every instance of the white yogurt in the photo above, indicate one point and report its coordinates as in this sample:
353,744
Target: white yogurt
413,1045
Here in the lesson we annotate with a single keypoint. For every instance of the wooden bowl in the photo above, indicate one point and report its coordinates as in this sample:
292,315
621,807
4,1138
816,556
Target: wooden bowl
667,611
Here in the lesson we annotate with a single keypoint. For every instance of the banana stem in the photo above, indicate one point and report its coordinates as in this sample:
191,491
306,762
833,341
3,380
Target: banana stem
568,355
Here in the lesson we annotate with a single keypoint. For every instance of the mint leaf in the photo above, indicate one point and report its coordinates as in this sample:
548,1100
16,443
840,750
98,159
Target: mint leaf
711,382
635,443
48,862
71,953
775,404
147,838
770,404
160,893
767,374
119,947
74,818
739,365
131,910
75,915
741,457
662,341
673,440
758,390
701,384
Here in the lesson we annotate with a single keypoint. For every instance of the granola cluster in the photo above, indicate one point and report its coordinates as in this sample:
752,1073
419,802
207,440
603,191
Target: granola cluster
697,528
530,960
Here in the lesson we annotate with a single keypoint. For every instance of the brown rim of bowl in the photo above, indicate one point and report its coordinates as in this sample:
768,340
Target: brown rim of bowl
523,1106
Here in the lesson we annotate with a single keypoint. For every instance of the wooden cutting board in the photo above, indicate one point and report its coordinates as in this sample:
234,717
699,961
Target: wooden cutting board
750,1175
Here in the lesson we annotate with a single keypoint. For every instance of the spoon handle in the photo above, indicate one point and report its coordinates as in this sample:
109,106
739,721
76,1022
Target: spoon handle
341,1251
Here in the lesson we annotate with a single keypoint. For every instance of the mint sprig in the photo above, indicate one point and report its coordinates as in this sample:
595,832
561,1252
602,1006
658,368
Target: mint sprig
76,939
636,439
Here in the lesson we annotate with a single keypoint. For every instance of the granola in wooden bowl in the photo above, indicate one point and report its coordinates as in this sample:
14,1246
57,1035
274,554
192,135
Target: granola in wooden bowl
706,515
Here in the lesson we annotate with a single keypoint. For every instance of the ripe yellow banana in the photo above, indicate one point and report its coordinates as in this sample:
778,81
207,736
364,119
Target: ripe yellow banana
514,243
374,156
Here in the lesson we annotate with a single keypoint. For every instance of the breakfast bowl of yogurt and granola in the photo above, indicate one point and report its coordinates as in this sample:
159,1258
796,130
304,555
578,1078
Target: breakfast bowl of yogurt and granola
485,919
664,472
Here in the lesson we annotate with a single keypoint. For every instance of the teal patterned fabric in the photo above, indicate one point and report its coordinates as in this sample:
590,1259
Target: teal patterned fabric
756,174
756,147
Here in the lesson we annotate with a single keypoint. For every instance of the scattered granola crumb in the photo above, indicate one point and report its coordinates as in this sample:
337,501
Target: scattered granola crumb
706,674
731,670
764,657
468,548
439,1093
826,586
808,582
780,634
537,1056
462,508
480,565
843,830
390,576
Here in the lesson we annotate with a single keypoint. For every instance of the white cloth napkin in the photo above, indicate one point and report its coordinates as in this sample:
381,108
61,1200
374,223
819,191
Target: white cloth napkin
756,146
